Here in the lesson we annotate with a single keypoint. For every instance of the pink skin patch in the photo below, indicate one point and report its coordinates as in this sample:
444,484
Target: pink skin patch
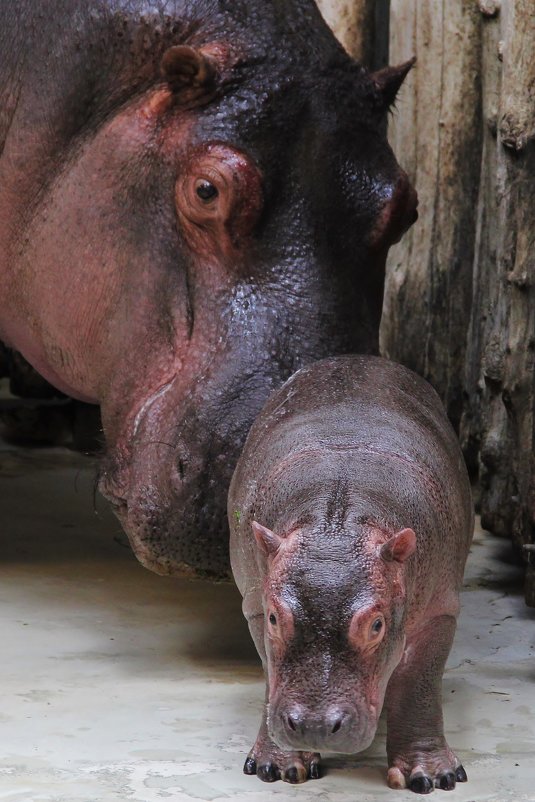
396,216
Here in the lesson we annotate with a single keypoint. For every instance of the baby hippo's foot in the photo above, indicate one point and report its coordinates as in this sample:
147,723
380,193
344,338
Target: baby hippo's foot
424,767
270,763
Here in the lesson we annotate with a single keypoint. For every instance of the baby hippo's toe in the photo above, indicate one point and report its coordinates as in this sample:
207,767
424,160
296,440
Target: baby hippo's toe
439,769
291,767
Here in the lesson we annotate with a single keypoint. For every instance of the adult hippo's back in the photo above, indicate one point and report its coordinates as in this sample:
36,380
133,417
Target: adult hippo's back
196,198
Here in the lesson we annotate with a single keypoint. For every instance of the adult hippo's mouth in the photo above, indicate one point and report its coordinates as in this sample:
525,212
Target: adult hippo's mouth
168,487
159,536
176,529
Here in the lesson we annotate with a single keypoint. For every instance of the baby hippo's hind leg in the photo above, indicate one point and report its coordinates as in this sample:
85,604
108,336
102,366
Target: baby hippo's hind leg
418,756
270,763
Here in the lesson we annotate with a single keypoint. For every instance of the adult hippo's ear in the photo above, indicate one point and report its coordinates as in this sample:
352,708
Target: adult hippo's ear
389,79
399,547
192,74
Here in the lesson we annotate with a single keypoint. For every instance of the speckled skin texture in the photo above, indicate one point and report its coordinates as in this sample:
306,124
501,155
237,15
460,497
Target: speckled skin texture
177,313
351,519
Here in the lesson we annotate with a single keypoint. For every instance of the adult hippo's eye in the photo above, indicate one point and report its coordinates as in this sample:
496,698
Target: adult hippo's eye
218,197
206,191
273,619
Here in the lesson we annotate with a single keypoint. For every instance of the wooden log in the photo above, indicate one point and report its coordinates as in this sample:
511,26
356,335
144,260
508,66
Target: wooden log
508,360
354,23
436,134
484,267
460,291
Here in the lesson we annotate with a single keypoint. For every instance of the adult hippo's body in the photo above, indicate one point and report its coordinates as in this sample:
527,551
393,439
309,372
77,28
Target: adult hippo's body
196,198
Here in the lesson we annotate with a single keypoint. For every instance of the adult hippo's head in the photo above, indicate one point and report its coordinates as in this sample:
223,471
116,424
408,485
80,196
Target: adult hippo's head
204,238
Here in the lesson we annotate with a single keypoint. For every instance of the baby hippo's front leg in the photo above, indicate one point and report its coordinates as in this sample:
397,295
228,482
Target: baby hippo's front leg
271,763
418,755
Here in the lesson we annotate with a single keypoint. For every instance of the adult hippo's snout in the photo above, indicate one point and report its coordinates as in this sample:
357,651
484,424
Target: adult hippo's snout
168,481
170,464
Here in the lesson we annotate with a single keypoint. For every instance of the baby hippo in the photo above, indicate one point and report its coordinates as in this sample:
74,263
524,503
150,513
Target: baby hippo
351,519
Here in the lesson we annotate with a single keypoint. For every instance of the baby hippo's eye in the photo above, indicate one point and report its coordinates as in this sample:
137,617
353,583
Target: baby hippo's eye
366,630
279,625
376,630
205,190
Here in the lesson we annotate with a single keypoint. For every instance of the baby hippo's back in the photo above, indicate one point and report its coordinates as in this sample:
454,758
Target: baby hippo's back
371,426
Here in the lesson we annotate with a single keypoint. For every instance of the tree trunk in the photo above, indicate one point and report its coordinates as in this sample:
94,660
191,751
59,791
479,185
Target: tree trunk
436,134
361,26
507,359
460,292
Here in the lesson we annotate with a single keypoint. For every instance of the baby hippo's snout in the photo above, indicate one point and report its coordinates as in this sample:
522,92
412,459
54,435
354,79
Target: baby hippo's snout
332,729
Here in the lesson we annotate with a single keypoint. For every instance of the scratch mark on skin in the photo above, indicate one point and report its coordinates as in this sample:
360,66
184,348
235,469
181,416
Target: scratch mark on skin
10,109
149,402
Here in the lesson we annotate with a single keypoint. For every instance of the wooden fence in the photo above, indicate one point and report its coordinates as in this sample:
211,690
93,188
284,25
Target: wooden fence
460,289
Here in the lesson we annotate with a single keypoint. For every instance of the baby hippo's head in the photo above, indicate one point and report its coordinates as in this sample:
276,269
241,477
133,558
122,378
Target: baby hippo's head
334,628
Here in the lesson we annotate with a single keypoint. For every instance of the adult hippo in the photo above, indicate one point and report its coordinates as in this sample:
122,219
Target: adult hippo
196,198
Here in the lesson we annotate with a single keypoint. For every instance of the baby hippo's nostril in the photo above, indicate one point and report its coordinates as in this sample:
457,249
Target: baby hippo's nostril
294,719
337,719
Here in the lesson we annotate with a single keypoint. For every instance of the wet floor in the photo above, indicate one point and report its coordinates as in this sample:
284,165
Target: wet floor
118,684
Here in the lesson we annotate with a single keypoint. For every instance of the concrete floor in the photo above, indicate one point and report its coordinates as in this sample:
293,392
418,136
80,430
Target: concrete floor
121,685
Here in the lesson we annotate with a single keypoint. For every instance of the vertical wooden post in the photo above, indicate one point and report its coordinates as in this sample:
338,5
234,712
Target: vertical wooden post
507,361
460,289
435,133
460,292
353,22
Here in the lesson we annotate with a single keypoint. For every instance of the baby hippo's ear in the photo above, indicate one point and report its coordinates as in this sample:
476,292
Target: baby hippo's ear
267,541
399,547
